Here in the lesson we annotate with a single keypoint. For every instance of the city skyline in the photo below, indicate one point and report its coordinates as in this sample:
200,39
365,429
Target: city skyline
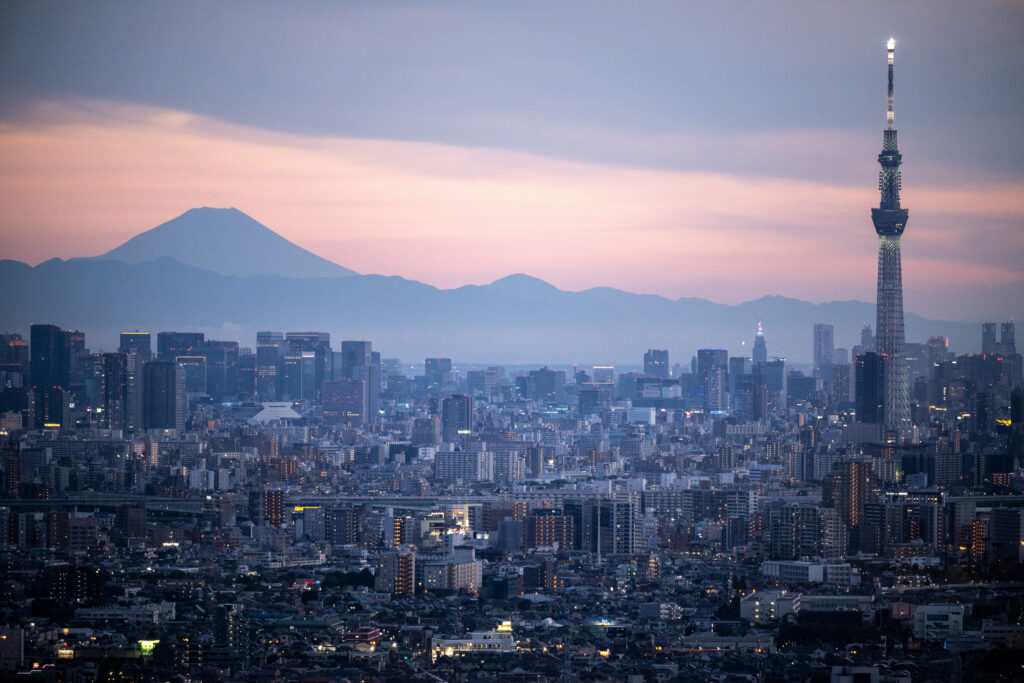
511,341
719,187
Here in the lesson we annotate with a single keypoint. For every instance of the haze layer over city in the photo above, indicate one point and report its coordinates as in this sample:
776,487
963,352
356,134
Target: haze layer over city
511,341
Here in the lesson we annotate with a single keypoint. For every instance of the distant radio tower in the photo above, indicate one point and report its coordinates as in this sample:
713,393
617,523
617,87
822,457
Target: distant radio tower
890,220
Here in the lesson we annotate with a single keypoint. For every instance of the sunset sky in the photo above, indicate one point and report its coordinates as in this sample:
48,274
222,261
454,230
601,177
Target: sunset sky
716,150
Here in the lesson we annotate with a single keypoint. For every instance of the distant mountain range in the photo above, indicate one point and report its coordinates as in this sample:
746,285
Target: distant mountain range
221,272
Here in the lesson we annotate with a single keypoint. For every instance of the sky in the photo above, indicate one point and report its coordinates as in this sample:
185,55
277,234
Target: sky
688,149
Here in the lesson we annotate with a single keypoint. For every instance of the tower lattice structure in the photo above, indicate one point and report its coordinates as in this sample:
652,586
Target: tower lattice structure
890,220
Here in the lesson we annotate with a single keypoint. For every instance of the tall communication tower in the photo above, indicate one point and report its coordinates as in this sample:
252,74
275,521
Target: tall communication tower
890,220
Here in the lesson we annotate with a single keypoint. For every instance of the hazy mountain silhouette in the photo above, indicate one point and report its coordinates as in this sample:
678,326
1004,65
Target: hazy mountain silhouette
517,319
225,241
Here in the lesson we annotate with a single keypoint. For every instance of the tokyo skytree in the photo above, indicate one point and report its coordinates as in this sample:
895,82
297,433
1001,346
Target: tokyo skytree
890,220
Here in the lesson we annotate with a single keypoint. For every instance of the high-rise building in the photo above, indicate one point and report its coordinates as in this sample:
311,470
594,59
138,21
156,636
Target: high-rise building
656,363
170,345
456,417
344,402
769,388
1007,338
847,489
139,342
438,372
869,388
49,372
823,349
760,353
221,368
115,391
163,395
317,361
712,375
890,220
988,338
360,362
355,355
938,347
271,349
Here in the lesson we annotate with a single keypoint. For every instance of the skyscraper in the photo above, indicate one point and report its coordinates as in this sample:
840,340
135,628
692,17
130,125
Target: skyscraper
456,417
712,374
1007,338
49,372
163,401
360,362
656,363
823,348
139,342
890,220
988,338
115,390
760,354
870,388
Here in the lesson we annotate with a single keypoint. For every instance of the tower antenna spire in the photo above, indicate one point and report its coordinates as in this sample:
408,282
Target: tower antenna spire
889,116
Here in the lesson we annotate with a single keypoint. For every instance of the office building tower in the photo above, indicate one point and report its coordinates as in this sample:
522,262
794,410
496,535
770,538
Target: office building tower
163,395
481,383
355,355
49,374
839,392
78,360
360,362
221,369
14,351
139,342
938,347
438,372
769,388
890,220
194,369
1007,338
712,374
344,402
823,350
115,391
988,338
869,388
456,417
133,407
170,345
760,352
271,349
656,363
318,363
867,338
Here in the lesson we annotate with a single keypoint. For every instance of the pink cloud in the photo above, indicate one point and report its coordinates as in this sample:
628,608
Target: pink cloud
78,180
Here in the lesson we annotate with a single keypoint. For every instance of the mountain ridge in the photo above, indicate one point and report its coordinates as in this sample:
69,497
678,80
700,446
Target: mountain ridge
481,323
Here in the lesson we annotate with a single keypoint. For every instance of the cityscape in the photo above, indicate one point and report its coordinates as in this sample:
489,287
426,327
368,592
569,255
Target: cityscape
459,484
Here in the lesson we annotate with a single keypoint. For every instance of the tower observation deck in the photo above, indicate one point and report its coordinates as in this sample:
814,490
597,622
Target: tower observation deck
890,220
